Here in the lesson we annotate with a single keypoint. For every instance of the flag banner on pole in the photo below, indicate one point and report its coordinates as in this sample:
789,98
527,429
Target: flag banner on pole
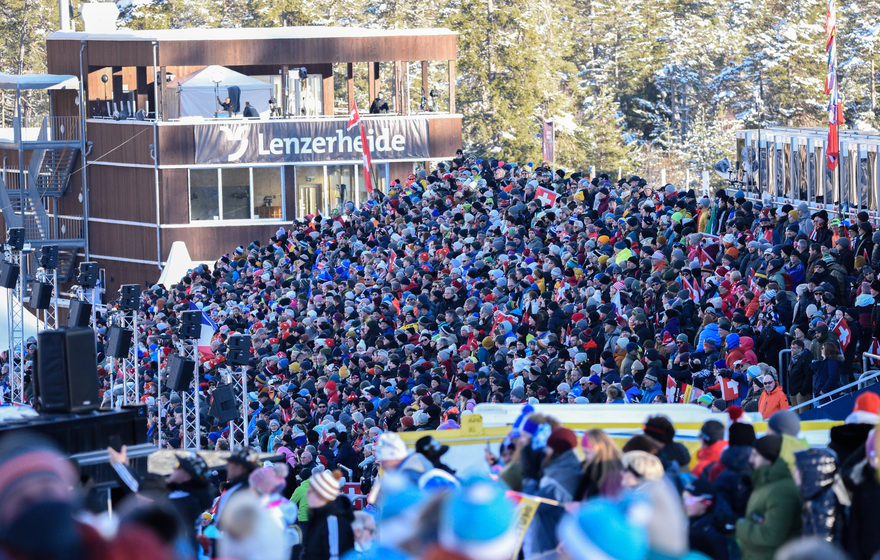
545,196
729,389
368,176
844,334
526,507
671,389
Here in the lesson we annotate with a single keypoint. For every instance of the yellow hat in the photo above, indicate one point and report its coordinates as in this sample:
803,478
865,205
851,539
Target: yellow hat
604,239
294,366
343,372
603,259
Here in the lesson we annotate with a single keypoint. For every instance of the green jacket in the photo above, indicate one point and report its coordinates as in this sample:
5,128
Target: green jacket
301,500
773,514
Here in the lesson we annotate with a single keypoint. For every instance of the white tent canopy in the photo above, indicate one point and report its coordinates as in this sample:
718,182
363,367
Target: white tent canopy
38,81
195,95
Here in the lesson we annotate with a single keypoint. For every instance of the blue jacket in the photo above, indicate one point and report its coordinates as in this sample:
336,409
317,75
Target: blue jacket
648,395
825,377
710,332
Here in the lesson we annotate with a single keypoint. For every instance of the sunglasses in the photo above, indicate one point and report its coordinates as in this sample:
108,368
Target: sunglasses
768,384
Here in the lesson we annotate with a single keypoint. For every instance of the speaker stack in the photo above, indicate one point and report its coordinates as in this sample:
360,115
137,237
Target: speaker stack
190,324
49,257
88,275
41,295
239,349
130,295
65,371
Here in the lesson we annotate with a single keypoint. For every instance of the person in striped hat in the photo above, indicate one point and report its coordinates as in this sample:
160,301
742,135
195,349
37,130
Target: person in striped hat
328,534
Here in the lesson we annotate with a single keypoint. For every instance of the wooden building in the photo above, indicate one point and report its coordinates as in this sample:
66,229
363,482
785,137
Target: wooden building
155,175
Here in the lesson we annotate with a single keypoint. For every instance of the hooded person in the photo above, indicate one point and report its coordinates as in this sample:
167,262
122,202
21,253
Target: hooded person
773,512
823,492
560,476
712,444
433,450
250,532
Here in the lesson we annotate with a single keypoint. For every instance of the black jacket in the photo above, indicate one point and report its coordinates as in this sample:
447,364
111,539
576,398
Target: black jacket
823,514
800,374
862,537
316,537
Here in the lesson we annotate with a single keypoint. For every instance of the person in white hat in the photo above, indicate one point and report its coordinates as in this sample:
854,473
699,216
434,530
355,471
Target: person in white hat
391,454
329,534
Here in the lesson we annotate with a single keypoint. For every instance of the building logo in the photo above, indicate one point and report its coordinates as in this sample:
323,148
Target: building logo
238,135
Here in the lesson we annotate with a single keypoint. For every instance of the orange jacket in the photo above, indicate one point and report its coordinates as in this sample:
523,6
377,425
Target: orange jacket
708,455
771,402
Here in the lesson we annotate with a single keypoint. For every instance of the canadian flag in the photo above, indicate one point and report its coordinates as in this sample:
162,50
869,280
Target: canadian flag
671,389
704,258
693,287
729,389
545,196
844,334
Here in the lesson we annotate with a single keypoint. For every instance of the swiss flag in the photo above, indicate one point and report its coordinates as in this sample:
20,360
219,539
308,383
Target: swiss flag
545,196
729,389
391,258
844,334
355,118
671,389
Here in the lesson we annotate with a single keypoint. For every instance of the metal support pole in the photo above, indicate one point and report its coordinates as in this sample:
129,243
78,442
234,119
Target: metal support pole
131,393
15,299
238,427
191,436
160,412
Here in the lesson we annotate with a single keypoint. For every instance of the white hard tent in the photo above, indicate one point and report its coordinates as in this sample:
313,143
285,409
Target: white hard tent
195,95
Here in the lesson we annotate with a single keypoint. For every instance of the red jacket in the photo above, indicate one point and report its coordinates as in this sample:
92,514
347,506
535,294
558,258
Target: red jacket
708,455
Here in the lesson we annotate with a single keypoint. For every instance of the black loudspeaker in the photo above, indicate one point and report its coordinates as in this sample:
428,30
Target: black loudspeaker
240,342
79,314
223,404
190,324
66,372
8,275
41,295
130,295
118,342
49,257
88,274
238,357
180,373
15,238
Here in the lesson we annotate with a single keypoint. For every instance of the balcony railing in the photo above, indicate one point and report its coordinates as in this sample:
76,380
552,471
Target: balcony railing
58,129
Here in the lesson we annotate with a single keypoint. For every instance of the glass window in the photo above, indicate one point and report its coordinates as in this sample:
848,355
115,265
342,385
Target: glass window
267,193
309,190
236,194
340,179
204,203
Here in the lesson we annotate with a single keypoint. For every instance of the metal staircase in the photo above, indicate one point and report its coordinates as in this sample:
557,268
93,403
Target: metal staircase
30,200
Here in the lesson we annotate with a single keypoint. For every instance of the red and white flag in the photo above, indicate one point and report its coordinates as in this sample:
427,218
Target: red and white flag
704,258
671,389
391,258
354,120
729,389
844,334
545,197
693,287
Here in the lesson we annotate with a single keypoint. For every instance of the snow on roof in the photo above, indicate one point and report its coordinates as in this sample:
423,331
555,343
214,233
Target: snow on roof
251,33
38,81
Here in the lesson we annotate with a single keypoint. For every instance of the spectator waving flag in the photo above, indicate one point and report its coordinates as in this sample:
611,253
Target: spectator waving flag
693,287
844,334
704,258
546,197
353,121
209,327
671,389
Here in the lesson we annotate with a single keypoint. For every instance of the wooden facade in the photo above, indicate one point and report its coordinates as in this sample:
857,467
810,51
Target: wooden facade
135,168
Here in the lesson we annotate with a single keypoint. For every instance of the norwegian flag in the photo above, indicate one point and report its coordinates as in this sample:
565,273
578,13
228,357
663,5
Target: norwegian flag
671,389
844,334
704,258
694,288
545,197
